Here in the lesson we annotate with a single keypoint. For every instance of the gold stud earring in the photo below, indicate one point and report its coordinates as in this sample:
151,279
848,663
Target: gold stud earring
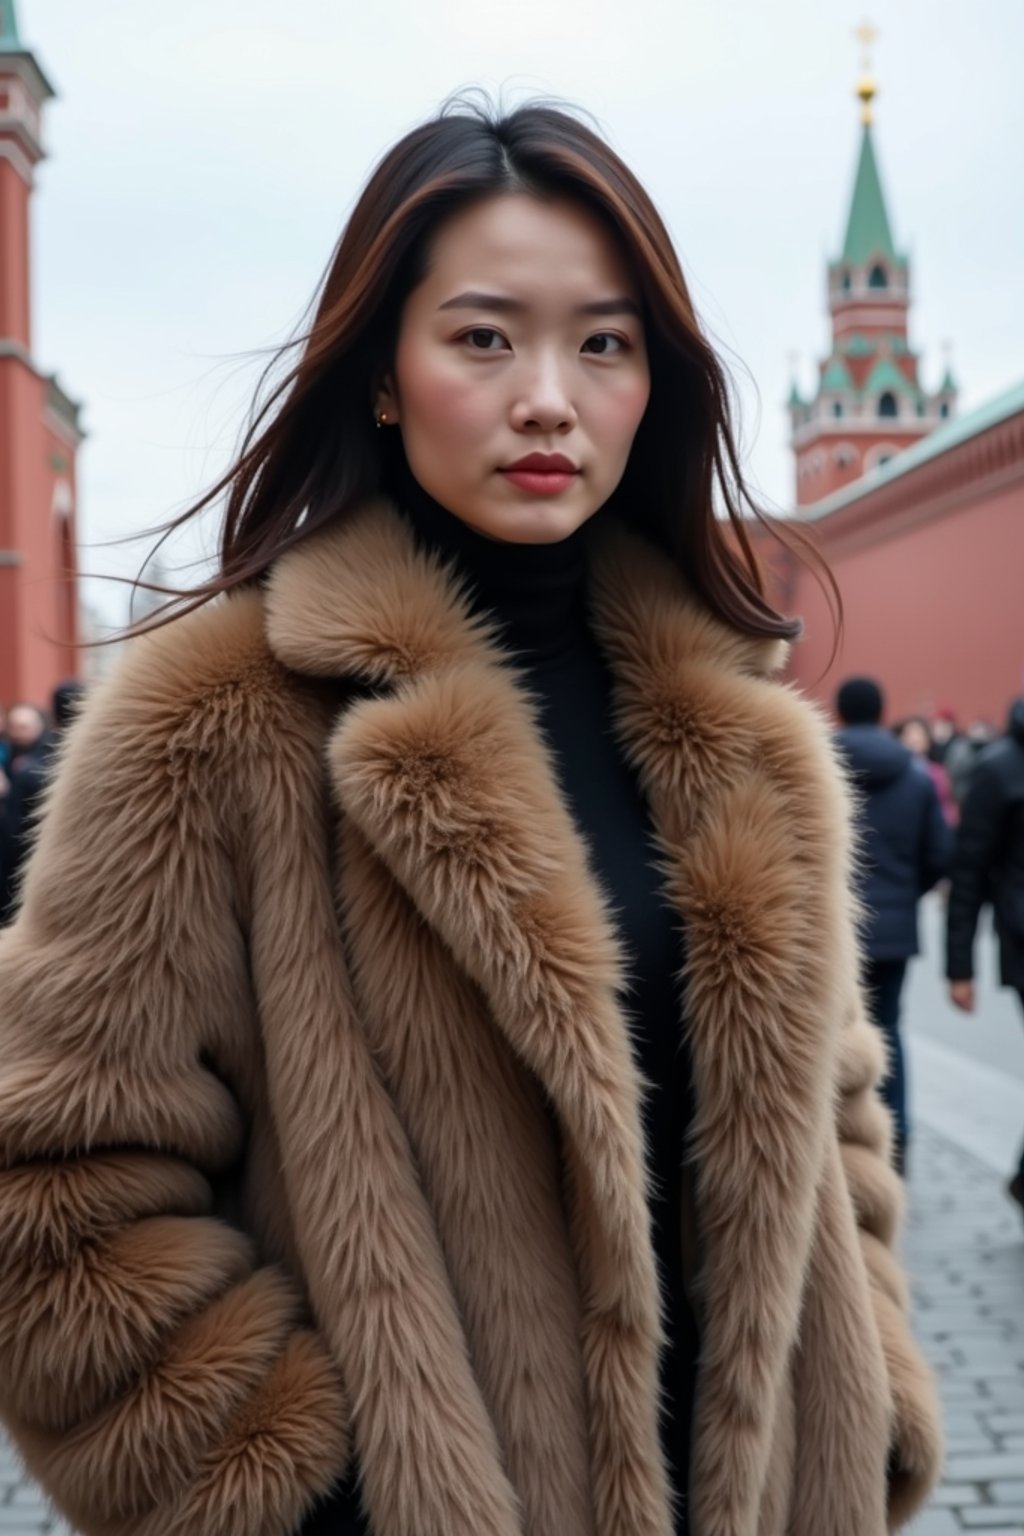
382,418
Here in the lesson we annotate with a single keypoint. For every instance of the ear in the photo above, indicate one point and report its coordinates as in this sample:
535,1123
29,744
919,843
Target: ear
385,400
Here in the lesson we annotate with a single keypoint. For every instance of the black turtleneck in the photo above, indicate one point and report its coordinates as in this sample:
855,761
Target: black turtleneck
538,593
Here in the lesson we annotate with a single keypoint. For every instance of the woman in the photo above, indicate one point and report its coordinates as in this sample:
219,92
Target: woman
434,1079
915,734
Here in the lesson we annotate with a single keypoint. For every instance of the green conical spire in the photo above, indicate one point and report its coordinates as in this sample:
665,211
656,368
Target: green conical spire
12,46
867,232
9,38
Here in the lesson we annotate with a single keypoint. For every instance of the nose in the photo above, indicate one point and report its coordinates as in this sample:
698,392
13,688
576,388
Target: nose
544,402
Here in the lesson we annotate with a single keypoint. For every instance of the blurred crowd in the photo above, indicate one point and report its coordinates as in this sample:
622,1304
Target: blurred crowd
937,807
948,753
28,740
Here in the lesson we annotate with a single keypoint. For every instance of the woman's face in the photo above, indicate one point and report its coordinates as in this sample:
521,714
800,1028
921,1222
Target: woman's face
525,337
914,737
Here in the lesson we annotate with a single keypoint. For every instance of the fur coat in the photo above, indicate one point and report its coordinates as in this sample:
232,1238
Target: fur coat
320,1130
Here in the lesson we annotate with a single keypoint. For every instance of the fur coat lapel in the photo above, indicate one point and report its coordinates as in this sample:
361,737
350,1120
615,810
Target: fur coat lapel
444,771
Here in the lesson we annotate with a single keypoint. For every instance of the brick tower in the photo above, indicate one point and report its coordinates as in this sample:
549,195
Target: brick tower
39,429
869,403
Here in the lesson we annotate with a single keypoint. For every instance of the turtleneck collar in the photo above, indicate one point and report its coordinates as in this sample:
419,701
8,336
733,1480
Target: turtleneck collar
536,591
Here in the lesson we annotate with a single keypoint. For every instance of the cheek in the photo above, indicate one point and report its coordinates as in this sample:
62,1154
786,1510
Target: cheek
437,399
618,412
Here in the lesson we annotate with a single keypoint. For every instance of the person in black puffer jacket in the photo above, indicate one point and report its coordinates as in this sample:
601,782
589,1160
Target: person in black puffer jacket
906,848
989,866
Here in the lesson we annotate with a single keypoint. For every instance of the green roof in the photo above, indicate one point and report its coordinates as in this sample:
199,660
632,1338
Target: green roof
867,232
22,57
885,375
9,27
836,375
860,346
956,430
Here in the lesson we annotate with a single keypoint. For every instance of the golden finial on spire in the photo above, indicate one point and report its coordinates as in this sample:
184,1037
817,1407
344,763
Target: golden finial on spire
867,90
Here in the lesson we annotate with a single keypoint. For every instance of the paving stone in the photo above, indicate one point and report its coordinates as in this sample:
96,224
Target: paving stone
983,1469
962,1424
966,1325
935,1522
998,1530
987,1517
962,1392
985,1360
956,1495
26,1495
1007,1493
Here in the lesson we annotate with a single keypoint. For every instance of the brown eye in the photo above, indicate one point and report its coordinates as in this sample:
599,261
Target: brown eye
481,336
617,344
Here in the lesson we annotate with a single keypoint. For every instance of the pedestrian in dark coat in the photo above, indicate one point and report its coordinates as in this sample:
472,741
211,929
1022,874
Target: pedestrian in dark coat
26,727
906,848
989,866
28,783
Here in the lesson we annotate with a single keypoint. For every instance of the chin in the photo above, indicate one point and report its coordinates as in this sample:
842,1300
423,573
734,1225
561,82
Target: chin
539,523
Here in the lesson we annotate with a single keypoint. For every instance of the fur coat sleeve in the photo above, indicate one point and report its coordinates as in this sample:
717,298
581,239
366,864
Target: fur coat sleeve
144,1353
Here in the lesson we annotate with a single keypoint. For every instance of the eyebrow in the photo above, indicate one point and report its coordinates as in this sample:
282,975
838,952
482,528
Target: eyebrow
501,304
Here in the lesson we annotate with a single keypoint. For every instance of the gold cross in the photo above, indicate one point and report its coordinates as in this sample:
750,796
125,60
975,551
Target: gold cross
866,34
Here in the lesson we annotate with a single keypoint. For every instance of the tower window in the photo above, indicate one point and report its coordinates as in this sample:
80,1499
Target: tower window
878,277
837,408
887,404
846,283
944,408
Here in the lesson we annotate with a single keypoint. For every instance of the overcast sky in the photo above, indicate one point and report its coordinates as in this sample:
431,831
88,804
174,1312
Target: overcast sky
205,154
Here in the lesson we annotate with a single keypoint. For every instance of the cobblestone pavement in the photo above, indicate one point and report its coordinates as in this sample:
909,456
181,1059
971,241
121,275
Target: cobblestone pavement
964,1248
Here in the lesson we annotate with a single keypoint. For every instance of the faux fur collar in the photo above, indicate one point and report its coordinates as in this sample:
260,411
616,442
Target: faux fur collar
362,599
446,774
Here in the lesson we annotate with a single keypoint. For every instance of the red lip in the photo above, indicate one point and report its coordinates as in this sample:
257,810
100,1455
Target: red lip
545,464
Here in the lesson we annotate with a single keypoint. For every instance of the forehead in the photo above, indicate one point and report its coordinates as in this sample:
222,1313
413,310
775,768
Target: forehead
530,242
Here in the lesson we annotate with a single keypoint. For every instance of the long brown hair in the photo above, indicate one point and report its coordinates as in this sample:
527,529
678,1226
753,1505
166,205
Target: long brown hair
311,453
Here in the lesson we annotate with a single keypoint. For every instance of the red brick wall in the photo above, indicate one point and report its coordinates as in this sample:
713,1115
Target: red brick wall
930,570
